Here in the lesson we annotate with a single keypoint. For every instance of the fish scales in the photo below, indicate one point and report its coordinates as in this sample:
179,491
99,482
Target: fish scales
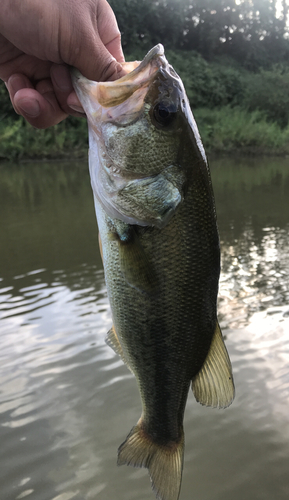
157,223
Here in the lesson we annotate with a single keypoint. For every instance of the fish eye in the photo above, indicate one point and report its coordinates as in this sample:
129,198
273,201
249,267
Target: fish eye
163,115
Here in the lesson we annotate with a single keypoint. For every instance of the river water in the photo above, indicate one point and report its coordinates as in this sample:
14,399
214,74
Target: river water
67,401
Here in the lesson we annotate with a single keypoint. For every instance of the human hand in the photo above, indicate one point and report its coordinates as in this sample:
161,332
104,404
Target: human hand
40,39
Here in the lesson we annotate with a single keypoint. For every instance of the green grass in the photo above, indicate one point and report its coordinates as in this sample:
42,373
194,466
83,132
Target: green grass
19,140
229,129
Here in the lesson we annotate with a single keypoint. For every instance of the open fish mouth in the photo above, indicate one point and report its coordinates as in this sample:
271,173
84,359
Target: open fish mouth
111,94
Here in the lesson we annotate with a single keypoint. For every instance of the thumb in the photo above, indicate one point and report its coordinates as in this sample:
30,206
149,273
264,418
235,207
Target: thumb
101,65
96,50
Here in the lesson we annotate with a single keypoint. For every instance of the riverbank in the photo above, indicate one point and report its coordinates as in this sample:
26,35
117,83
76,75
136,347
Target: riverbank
235,130
20,141
236,110
224,131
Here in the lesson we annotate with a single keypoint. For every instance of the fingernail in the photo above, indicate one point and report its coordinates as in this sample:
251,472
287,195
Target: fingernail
77,108
29,107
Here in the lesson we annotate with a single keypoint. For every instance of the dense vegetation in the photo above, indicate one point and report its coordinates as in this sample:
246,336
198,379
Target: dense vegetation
233,57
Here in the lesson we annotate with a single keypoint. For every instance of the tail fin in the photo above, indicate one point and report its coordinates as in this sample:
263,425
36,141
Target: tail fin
164,462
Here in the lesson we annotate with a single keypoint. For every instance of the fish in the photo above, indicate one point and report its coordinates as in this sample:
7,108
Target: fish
160,247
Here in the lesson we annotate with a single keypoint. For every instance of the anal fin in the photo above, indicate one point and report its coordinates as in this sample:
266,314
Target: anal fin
214,385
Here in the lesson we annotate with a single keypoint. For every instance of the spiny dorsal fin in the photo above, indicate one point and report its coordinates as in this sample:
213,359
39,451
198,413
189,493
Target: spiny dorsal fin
165,463
113,342
214,385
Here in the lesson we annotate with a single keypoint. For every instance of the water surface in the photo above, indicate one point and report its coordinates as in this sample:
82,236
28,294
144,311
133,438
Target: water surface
67,401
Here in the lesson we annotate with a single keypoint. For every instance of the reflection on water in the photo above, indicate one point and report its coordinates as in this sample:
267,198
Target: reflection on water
253,215
67,401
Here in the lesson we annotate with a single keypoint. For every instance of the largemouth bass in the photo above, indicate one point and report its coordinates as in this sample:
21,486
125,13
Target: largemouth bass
160,246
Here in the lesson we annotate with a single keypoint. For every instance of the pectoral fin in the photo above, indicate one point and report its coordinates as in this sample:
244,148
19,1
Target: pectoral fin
135,265
213,385
113,342
100,246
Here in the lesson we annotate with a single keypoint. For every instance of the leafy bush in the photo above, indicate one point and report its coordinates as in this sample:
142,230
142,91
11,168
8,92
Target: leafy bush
230,129
20,140
268,91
